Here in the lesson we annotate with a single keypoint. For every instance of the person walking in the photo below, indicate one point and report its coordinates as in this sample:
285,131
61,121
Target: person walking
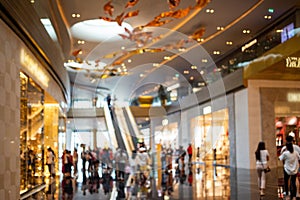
50,162
75,162
262,158
190,152
290,158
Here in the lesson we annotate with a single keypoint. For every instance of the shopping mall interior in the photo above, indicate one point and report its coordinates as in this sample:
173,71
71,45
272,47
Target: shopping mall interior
129,99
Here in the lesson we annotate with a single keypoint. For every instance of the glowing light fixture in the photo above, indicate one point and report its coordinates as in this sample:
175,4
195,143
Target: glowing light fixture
49,28
98,30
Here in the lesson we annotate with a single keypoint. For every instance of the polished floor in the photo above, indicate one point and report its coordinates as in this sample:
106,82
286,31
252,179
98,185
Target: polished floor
208,181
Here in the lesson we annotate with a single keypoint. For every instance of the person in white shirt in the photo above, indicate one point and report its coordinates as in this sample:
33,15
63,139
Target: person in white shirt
290,157
290,139
50,161
262,157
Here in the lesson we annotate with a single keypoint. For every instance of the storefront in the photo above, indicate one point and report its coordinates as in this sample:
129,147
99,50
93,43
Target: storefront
42,117
210,136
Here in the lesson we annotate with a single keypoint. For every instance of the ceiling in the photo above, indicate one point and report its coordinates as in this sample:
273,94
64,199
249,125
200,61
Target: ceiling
137,62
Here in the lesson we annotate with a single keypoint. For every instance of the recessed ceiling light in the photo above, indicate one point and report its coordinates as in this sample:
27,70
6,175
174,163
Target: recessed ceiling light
32,1
155,64
75,15
80,42
201,72
216,52
191,78
201,84
200,40
279,31
123,48
129,60
229,43
193,67
210,11
167,57
220,28
186,71
246,31
268,17
204,60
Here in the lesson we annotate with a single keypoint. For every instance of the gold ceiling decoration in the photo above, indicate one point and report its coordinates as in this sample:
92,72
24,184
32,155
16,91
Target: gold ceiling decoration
140,37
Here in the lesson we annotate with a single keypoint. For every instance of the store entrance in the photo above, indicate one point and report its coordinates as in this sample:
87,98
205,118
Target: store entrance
285,126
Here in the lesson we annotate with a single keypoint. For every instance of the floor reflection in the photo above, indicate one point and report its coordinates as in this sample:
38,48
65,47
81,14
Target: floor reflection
203,180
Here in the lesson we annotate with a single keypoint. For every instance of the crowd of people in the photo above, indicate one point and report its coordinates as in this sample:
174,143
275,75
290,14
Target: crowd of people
101,167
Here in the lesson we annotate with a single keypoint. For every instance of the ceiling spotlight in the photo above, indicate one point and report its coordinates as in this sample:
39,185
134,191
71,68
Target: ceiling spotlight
220,28
191,78
229,43
186,71
200,40
210,11
201,72
246,31
129,60
155,64
75,15
216,52
167,57
268,17
204,60
32,1
193,67
80,42
123,48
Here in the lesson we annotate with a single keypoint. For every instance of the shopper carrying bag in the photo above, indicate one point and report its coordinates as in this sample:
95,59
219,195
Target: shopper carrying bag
290,158
262,158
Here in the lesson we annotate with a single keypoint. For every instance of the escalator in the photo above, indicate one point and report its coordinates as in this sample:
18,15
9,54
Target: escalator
131,130
118,134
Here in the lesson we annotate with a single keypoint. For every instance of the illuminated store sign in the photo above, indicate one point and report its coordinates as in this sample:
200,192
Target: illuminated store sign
207,110
29,63
246,46
287,32
293,97
292,62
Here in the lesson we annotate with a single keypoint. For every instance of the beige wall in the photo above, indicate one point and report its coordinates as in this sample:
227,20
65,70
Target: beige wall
9,115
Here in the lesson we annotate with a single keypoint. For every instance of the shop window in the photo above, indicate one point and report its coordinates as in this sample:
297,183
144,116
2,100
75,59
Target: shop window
31,134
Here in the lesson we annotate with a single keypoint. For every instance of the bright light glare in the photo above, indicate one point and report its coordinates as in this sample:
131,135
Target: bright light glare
49,28
98,30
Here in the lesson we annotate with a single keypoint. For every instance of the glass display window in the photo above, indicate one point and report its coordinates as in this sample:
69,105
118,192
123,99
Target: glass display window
210,136
31,134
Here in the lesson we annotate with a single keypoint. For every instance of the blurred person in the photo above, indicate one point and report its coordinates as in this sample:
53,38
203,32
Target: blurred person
75,161
290,159
190,152
262,157
68,187
50,162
